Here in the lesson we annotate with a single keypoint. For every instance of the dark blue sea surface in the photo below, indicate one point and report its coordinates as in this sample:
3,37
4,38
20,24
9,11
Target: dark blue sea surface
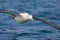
33,30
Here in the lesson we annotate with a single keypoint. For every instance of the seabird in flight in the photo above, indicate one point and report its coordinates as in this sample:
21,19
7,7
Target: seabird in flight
25,17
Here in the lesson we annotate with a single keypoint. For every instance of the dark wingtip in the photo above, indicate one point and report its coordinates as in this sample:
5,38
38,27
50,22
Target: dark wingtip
9,12
2,10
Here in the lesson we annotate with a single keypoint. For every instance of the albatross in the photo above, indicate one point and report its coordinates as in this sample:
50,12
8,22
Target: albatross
25,17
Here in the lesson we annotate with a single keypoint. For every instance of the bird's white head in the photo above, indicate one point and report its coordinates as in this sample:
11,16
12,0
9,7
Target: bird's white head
24,17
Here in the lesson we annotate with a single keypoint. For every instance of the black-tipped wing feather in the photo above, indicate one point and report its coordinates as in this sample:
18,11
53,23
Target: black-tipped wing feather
47,22
10,12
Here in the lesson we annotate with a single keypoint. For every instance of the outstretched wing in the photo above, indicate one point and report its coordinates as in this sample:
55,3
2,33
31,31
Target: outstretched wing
39,19
47,22
10,12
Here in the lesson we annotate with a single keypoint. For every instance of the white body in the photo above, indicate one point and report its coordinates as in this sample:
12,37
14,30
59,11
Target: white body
25,17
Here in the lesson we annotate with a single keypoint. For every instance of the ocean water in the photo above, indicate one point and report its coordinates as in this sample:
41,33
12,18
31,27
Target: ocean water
33,30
